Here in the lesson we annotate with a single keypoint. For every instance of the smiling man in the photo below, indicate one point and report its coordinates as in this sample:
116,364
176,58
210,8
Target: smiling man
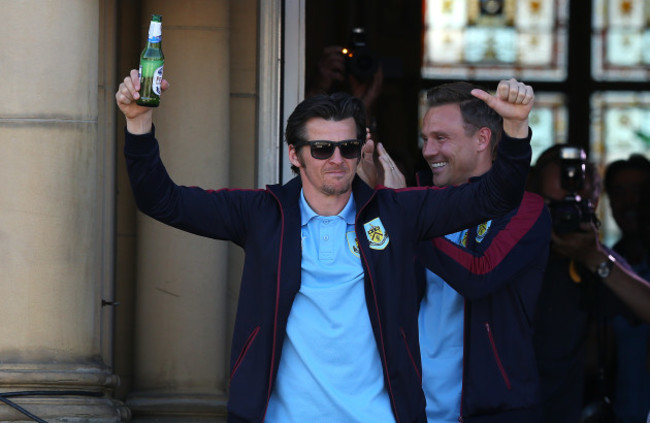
481,284
458,136
326,326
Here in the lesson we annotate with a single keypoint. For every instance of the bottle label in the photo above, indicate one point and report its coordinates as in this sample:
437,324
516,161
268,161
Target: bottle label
155,32
157,80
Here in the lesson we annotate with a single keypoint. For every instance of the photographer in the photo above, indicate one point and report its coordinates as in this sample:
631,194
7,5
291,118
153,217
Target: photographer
355,69
573,296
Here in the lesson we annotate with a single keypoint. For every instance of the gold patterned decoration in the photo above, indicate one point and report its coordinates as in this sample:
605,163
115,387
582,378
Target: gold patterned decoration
626,13
535,7
535,14
626,7
447,13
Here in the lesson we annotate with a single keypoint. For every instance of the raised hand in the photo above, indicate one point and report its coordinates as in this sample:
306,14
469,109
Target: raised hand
367,170
513,101
393,177
388,175
138,118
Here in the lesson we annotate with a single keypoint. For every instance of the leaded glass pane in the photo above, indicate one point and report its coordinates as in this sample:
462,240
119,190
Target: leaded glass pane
620,125
494,39
620,40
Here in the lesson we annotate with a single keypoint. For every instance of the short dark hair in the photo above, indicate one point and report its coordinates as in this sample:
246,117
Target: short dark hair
476,113
335,107
634,162
552,155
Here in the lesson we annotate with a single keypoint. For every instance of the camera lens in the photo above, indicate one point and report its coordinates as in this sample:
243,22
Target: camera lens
361,62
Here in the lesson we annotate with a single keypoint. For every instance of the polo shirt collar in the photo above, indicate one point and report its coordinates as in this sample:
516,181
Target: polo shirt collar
307,213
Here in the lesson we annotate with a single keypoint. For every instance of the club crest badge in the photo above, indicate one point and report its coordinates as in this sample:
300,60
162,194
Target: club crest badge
463,238
482,230
353,245
376,233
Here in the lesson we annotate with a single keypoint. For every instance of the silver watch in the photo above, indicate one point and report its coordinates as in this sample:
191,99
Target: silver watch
605,268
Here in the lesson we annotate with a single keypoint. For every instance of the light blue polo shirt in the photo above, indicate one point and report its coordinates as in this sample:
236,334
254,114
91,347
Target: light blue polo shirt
330,369
441,322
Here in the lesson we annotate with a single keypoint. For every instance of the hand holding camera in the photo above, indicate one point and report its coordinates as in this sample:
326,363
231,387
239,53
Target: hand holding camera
570,213
581,244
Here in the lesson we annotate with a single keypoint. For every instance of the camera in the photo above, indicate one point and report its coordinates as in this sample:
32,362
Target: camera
568,213
360,61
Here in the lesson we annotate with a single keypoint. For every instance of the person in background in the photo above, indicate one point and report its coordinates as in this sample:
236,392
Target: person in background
331,75
627,184
584,283
326,327
481,283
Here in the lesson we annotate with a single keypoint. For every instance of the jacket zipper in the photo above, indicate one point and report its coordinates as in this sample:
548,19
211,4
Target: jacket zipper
496,356
406,345
277,306
462,385
374,296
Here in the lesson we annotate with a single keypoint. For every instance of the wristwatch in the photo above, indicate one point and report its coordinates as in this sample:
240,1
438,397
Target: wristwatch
605,268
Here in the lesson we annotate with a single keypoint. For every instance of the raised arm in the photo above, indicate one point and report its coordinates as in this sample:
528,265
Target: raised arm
515,245
215,214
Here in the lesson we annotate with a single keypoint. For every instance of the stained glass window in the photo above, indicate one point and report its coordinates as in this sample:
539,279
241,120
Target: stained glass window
620,40
608,87
620,125
494,39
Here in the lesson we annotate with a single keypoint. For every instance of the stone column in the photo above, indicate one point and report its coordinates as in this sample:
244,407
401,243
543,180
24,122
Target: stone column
181,313
53,219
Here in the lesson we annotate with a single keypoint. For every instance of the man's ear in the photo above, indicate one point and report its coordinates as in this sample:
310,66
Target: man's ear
483,137
293,157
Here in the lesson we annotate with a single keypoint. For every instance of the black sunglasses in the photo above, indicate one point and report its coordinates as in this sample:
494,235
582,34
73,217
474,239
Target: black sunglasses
323,150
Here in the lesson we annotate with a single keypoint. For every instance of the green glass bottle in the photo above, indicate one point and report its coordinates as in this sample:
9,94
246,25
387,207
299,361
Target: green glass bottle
151,65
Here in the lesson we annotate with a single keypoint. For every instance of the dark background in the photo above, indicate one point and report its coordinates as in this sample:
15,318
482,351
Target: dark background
393,31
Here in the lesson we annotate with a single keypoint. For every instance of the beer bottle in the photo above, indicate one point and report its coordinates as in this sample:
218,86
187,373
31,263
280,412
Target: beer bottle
151,65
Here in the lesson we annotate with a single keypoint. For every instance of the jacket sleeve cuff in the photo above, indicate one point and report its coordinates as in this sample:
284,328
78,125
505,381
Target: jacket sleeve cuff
516,146
139,144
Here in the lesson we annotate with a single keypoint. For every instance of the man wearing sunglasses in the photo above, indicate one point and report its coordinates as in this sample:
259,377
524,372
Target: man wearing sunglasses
326,326
481,284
